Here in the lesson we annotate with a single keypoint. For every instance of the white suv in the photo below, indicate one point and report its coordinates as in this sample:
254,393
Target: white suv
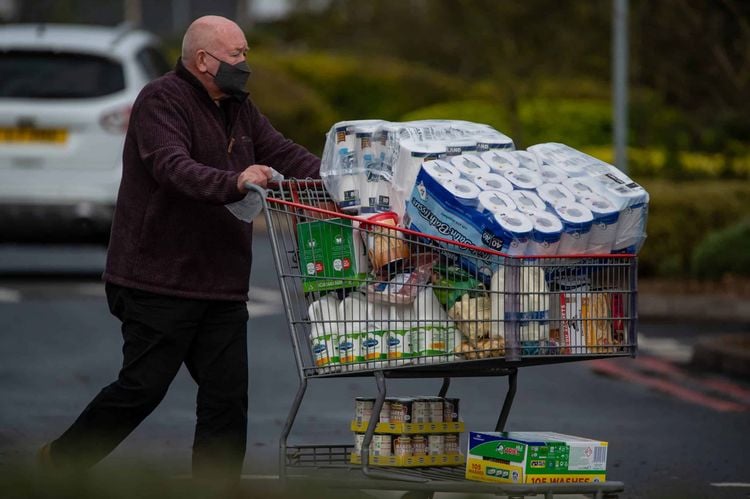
65,97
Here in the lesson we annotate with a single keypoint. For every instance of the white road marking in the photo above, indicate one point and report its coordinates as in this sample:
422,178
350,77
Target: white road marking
8,295
731,484
667,348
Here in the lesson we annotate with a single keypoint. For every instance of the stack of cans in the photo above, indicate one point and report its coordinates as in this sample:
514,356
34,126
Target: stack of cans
409,410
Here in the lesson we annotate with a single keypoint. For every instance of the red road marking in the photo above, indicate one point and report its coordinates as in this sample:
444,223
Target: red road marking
666,386
725,387
730,388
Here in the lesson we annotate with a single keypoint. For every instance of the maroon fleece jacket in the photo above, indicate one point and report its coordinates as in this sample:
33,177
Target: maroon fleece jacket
183,154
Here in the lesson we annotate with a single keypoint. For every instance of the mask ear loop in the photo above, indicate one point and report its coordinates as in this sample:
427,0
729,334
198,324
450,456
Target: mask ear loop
216,58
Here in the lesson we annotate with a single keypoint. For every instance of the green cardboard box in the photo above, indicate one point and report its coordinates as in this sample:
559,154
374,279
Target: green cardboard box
535,457
330,255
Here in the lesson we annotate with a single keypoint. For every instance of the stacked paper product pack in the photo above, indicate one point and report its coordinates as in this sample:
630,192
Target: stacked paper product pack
465,182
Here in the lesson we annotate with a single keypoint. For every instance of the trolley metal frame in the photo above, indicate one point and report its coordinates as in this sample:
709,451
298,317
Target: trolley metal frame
328,464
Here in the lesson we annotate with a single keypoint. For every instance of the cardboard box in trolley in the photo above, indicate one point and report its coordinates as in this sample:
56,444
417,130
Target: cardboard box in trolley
535,457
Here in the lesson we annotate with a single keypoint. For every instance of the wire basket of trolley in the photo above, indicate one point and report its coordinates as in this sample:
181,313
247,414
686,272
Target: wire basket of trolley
364,297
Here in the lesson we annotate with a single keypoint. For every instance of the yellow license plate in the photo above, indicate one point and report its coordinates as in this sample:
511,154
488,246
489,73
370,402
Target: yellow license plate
33,135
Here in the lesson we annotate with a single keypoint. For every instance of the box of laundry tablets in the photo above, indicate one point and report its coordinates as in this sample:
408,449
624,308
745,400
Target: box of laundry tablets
535,457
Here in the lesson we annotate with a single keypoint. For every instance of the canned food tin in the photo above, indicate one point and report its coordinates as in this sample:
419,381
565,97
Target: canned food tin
358,439
435,406
451,444
382,445
435,444
450,410
419,445
363,409
402,446
420,411
385,412
401,410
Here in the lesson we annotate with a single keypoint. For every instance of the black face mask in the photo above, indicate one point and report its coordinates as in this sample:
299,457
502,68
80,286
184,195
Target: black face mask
231,79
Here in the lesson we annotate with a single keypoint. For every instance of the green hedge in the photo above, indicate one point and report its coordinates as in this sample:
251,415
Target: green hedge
724,252
366,87
294,108
681,215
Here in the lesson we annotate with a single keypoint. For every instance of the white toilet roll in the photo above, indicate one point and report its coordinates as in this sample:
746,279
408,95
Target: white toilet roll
369,162
514,229
533,316
580,187
463,191
527,160
527,201
411,154
441,169
346,181
522,178
577,221
529,312
551,174
632,201
389,145
548,152
495,202
545,237
573,166
470,167
604,228
500,161
554,194
569,160
493,182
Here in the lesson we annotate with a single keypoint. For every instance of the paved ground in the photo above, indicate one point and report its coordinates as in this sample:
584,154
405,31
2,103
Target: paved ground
651,408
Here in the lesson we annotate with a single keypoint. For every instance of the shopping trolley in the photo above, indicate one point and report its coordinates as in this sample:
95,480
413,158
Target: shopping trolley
364,297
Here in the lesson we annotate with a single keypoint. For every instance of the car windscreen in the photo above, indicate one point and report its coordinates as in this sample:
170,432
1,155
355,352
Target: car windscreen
58,75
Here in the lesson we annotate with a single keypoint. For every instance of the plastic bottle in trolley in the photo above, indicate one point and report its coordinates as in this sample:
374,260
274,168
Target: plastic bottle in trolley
323,315
353,327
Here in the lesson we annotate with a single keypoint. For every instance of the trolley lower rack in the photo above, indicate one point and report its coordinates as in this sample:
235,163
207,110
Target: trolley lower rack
328,467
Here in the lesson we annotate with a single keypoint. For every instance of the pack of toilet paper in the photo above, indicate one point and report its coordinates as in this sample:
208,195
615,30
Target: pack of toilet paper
466,181
370,166
618,204
449,208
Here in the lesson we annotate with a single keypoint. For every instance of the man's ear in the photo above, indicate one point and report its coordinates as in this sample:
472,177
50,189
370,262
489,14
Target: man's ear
200,61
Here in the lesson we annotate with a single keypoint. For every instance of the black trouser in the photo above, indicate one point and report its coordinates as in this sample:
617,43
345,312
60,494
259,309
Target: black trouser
160,333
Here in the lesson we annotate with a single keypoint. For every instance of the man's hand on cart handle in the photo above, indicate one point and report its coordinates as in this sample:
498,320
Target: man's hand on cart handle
254,174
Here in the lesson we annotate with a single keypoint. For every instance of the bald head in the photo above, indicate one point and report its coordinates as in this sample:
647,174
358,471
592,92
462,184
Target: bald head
209,33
